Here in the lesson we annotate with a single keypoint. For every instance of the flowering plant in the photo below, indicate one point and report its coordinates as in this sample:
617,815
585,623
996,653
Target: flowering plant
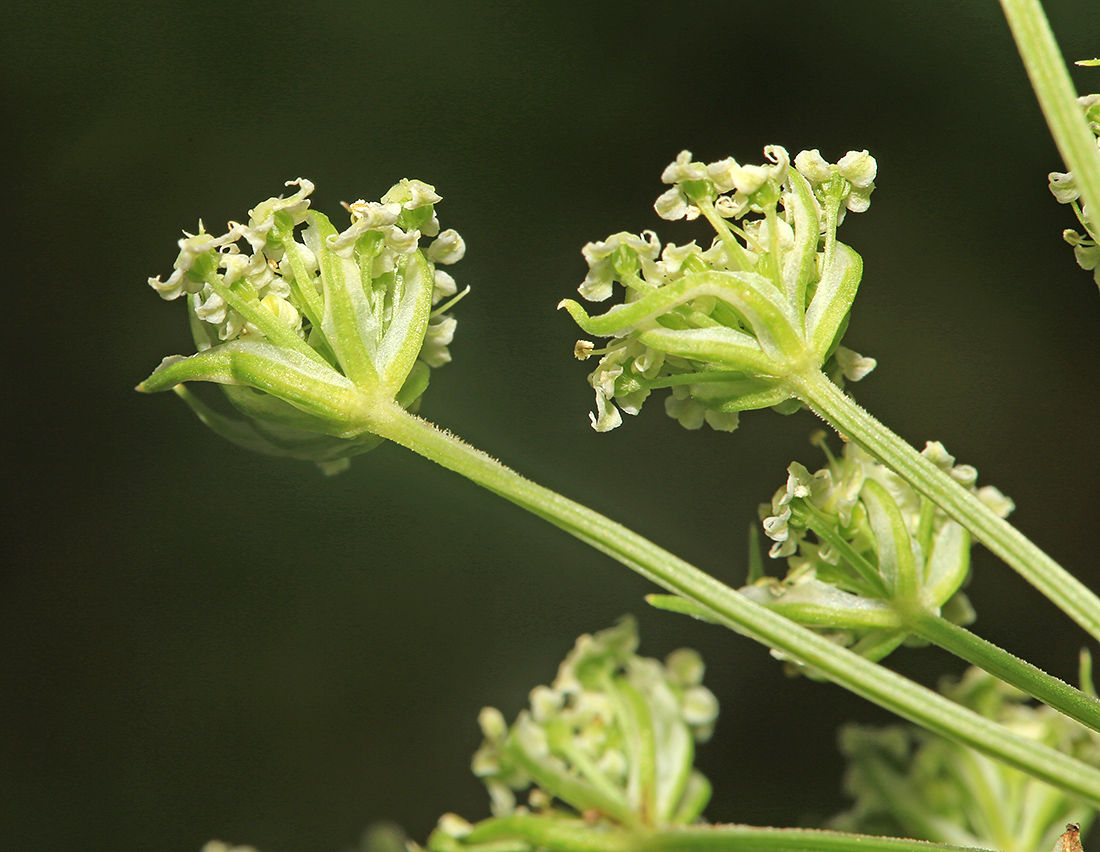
324,344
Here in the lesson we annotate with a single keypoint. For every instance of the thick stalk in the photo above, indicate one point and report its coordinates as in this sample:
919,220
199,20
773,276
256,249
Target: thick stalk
838,410
1057,97
1008,667
559,835
873,682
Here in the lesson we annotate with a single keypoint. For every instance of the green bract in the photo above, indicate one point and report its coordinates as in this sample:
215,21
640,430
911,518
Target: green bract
865,551
308,335
911,784
725,327
613,739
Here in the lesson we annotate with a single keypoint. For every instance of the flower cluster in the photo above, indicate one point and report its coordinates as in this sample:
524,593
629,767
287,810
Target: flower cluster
723,326
863,549
612,739
909,783
299,329
1086,247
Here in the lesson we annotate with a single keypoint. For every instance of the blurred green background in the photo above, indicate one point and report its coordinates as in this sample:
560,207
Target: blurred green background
200,643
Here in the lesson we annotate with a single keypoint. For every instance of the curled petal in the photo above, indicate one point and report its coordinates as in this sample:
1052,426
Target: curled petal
852,364
683,168
673,204
606,416
682,408
447,248
411,194
812,166
437,338
858,168
444,286
1064,187
403,242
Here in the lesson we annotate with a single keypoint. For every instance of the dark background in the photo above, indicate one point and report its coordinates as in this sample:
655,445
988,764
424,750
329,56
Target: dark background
202,643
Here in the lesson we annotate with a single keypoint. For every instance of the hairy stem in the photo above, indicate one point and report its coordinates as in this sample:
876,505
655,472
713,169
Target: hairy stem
1008,667
562,835
853,423
869,680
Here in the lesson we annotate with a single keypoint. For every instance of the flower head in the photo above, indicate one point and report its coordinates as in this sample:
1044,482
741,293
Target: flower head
909,783
863,548
723,327
309,333
612,738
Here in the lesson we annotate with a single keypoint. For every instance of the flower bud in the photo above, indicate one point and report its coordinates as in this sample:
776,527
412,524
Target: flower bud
863,549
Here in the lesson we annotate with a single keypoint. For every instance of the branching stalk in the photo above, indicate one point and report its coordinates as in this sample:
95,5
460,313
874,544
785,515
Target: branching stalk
1008,667
853,423
873,682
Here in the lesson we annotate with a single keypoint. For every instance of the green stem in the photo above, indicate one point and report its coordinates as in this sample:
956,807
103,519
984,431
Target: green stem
873,682
566,835
1057,96
1007,542
1008,667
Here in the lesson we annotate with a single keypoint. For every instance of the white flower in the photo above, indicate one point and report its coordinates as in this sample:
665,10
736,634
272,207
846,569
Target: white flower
602,258
262,215
1085,251
282,309
439,334
369,215
365,216
447,248
859,169
723,421
606,416
683,168
673,258
411,194
402,242
1063,187
209,306
852,364
727,174
192,247
699,706
583,350
682,408
674,203
444,286
1001,505
812,166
